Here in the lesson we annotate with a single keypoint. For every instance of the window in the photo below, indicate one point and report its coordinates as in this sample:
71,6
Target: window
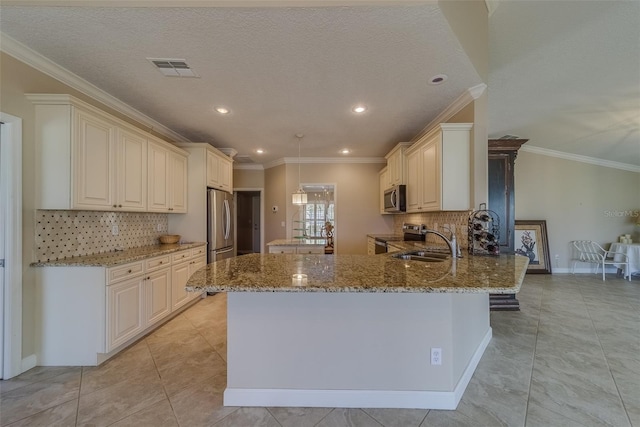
316,215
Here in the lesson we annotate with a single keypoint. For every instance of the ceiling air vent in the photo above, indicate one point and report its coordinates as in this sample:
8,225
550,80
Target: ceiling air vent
243,158
173,67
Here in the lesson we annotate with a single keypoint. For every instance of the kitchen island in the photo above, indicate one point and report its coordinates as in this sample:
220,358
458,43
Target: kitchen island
355,330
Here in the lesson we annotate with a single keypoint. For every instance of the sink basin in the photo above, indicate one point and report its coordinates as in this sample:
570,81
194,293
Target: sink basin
422,256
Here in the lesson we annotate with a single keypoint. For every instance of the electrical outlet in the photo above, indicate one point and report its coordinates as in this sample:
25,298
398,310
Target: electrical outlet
557,259
114,230
159,227
436,356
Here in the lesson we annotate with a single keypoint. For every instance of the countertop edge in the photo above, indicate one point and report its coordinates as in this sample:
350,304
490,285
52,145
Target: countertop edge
123,256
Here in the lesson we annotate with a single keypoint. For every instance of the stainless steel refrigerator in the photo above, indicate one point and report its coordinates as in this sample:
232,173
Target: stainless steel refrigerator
219,225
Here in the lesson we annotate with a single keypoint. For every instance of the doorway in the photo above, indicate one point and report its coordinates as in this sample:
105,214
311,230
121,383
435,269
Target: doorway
248,221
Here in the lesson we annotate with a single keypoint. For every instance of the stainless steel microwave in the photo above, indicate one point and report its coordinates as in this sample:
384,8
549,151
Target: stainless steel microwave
395,199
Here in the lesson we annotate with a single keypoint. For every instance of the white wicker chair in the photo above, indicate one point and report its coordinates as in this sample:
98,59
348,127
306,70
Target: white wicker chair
593,253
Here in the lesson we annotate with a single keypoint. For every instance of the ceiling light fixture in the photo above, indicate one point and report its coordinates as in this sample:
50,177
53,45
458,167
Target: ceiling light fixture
359,109
222,110
345,151
299,197
259,151
438,79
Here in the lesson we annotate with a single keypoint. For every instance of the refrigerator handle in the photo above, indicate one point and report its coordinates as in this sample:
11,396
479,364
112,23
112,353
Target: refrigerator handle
227,226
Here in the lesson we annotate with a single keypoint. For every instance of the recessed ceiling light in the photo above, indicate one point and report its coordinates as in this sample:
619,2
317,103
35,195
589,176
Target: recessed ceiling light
222,110
345,151
438,79
259,151
359,109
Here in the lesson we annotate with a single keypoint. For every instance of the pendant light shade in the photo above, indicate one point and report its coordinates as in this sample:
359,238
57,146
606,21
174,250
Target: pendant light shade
299,197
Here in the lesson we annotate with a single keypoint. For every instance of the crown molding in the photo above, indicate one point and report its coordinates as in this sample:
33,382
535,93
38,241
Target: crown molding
462,101
211,3
580,158
35,60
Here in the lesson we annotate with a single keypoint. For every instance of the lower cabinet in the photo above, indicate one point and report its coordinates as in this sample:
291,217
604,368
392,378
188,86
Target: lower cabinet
88,314
124,314
301,249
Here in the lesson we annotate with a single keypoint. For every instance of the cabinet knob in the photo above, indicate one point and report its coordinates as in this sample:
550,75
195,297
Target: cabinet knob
129,271
119,206
160,262
148,277
115,206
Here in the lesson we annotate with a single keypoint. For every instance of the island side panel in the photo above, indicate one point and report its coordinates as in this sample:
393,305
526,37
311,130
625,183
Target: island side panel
357,344
471,331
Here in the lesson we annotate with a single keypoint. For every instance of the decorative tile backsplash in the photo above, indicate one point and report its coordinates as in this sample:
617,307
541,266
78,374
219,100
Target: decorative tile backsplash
457,220
64,234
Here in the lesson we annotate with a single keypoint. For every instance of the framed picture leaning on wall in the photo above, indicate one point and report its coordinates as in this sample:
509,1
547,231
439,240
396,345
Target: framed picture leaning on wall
531,241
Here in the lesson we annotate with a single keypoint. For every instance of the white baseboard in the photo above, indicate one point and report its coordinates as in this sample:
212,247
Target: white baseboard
359,398
28,362
584,270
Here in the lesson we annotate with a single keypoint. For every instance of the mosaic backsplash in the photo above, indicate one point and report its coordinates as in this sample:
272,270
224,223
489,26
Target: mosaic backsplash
456,220
64,234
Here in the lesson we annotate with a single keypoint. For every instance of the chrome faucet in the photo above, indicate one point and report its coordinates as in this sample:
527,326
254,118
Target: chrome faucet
450,243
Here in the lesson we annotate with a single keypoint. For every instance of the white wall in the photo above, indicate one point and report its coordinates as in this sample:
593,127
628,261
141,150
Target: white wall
578,201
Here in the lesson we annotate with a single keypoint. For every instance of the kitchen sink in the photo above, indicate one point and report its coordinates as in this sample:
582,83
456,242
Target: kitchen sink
423,256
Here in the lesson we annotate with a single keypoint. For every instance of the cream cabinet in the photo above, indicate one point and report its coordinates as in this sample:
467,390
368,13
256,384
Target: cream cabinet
439,170
124,311
371,246
219,171
299,249
384,184
89,314
167,179
87,159
396,164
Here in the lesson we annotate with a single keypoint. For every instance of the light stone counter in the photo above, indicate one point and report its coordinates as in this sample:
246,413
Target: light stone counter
114,258
361,273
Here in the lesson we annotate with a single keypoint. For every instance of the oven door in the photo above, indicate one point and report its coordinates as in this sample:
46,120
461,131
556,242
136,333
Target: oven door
381,247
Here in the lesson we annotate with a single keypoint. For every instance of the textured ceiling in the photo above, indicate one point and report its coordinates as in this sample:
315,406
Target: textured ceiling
280,71
563,74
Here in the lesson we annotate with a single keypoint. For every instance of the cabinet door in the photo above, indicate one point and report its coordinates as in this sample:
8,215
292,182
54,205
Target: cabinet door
212,170
178,184
394,164
414,183
430,179
124,312
179,277
131,173
282,249
225,174
384,184
94,163
157,178
157,295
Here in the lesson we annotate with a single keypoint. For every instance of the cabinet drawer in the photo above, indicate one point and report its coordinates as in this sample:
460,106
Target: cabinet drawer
129,270
282,249
181,256
158,262
202,250
310,250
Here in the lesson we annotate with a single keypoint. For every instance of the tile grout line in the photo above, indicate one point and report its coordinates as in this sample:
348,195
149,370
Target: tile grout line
533,360
79,394
274,417
606,360
325,416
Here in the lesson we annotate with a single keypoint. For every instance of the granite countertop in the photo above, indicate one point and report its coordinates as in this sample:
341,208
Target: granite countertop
297,242
361,273
114,258
387,237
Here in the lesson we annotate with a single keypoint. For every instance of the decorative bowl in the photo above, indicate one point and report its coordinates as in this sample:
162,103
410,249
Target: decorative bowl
170,238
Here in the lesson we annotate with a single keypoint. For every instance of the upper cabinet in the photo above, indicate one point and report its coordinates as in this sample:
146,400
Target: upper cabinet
89,160
439,170
167,179
396,165
219,171
384,184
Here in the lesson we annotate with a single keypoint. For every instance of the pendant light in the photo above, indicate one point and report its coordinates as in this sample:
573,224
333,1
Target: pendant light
299,197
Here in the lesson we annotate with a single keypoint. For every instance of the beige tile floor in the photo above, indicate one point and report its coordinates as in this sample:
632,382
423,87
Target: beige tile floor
570,357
